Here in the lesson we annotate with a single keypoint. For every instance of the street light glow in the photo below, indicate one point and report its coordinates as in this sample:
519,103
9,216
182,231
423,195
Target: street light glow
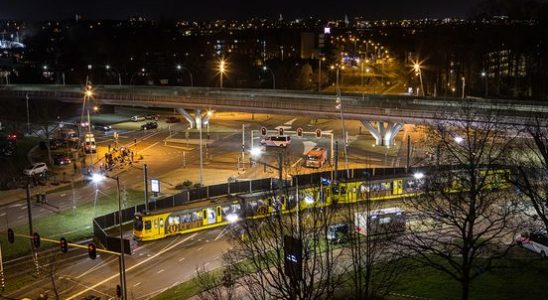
95,177
90,67
458,139
256,151
89,93
418,175
231,218
222,67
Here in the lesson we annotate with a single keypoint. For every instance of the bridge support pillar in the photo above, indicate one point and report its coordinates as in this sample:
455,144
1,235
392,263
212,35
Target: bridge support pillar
383,132
187,116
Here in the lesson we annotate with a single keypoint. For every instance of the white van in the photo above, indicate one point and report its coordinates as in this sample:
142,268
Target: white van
276,141
534,241
89,143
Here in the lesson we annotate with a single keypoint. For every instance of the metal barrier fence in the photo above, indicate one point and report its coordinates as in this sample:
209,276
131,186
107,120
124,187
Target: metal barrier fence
102,223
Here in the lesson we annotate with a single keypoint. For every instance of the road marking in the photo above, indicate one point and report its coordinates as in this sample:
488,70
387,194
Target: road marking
150,146
137,284
16,205
298,161
290,122
207,263
19,217
200,249
144,261
308,145
24,207
62,195
180,260
160,271
2,214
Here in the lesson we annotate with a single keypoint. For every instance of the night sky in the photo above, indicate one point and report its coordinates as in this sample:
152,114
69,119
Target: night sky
215,9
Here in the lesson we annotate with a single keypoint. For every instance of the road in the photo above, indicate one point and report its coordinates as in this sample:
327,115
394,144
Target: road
172,165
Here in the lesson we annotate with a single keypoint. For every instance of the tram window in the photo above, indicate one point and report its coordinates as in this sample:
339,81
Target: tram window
155,223
161,222
148,225
138,224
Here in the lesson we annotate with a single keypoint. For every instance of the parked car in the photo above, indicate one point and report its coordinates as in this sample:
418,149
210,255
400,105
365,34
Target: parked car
101,126
536,241
36,169
173,120
138,118
61,159
152,117
149,125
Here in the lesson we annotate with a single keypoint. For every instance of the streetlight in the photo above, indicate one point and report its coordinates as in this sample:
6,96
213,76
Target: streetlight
222,70
486,89
109,67
179,68
417,68
463,86
340,108
273,76
256,154
98,178
458,139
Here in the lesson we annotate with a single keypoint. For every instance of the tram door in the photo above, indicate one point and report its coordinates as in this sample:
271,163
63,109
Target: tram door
397,187
219,214
161,228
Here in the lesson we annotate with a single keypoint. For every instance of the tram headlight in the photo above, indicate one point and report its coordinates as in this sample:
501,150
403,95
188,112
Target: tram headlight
231,218
308,199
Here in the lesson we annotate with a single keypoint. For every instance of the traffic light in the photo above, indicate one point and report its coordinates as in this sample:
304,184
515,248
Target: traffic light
299,132
92,251
318,133
63,245
281,131
11,236
118,291
36,240
263,131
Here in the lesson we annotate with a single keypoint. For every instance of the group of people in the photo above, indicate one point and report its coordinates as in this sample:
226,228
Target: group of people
116,156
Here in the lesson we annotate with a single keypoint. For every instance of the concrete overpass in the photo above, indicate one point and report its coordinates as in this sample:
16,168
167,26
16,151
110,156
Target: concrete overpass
382,115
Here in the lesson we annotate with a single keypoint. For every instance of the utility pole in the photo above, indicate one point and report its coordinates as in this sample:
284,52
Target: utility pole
146,187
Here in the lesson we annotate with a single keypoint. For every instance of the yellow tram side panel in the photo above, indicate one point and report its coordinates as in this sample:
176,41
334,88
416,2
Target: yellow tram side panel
151,226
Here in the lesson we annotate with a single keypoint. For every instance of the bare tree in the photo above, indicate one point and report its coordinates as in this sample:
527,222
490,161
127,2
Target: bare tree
260,260
532,169
463,215
376,263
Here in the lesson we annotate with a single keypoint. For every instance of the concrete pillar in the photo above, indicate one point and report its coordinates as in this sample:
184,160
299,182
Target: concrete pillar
187,116
206,116
198,121
384,132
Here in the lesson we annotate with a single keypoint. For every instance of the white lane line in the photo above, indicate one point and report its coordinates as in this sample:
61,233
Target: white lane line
290,122
24,207
150,146
160,271
298,161
144,261
200,249
180,260
19,217
2,214
137,284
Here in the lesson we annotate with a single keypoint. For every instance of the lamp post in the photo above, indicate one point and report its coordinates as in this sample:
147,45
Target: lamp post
320,72
463,86
98,178
256,153
265,68
179,68
340,108
222,69
417,69
109,67
486,88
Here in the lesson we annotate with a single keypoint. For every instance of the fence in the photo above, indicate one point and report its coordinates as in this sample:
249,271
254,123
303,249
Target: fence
102,223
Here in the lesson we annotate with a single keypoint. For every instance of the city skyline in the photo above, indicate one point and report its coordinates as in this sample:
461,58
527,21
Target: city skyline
170,9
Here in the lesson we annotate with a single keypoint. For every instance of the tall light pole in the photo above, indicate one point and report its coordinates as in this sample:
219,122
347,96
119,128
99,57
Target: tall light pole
339,107
486,88
320,72
109,67
463,86
265,68
222,70
417,69
179,68
98,178
28,118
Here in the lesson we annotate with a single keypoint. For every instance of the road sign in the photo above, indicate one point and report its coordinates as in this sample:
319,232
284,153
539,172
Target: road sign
263,131
318,133
299,132
155,186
